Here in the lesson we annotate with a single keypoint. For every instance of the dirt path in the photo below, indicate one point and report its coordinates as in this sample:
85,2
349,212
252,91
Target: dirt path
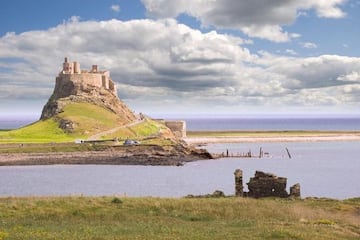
113,130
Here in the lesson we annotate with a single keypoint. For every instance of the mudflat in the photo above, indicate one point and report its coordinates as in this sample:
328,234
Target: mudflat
117,155
204,137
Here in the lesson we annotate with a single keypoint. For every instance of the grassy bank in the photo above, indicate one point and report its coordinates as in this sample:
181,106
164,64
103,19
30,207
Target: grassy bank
84,120
48,131
152,218
51,147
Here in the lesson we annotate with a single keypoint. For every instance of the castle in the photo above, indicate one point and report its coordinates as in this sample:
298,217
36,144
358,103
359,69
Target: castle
93,86
71,73
97,87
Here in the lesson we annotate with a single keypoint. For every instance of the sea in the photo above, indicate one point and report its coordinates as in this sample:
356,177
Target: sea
278,123
323,169
255,123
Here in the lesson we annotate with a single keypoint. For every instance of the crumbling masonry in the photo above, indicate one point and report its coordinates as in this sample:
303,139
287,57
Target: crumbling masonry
265,185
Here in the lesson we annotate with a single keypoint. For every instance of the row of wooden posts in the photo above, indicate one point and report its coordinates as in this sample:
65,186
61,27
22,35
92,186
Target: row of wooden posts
249,154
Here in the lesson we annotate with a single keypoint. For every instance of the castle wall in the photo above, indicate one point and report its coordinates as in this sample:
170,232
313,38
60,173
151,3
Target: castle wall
88,78
72,74
105,82
112,86
177,127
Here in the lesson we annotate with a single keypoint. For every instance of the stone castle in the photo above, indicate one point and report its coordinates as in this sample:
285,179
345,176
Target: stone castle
71,72
92,86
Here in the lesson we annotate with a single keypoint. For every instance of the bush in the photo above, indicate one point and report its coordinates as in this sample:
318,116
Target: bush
116,200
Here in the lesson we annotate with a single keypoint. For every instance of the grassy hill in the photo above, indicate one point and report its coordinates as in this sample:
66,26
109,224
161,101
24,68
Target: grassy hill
86,119
154,218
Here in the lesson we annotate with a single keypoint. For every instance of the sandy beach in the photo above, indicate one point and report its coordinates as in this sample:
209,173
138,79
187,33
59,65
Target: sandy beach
292,138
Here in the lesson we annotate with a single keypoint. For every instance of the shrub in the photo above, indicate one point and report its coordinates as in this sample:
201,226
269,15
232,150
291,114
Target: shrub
116,200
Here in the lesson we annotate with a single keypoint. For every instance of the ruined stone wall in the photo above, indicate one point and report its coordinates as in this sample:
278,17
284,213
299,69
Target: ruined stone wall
177,127
265,185
239,189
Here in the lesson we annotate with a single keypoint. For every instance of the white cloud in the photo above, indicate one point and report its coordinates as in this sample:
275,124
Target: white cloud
291,52
173,64
328,8
115,8
262,19
354,76
309,45
272,33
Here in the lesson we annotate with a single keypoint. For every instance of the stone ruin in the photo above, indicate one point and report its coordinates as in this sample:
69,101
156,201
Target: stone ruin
239,189
265,185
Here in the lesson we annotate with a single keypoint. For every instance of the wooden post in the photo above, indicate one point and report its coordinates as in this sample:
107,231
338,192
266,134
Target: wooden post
287,150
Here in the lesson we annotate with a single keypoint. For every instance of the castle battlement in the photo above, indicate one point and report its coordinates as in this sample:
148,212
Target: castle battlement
71,72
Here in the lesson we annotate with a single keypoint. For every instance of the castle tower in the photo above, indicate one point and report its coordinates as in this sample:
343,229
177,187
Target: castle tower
76,67
67,67
94,69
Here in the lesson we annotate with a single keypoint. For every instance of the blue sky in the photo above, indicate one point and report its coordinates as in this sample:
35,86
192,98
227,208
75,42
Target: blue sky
186,57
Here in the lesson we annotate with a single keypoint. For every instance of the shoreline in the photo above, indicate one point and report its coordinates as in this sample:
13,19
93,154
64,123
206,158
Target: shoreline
133,155
254,137
167,155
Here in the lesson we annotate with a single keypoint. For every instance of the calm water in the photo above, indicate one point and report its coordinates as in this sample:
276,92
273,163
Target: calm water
15,122
324,169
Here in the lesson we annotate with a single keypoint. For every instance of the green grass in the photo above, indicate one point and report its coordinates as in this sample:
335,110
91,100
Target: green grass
90,118
40,131
146,129
51,147
153,218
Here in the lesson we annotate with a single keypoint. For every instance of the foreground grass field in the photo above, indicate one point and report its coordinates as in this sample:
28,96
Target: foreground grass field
198,218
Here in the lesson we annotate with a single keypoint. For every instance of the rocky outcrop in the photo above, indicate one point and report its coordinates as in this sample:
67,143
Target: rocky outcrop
89,94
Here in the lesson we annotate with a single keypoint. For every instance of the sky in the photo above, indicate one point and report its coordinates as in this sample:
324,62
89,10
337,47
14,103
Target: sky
188,57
